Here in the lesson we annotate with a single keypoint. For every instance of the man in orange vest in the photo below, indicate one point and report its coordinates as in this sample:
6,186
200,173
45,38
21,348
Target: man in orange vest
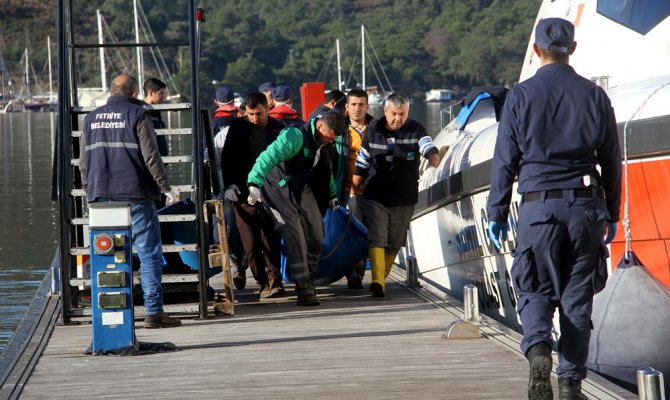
283,110
226,109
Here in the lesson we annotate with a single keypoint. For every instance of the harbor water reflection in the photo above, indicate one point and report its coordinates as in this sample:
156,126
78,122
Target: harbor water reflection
28,219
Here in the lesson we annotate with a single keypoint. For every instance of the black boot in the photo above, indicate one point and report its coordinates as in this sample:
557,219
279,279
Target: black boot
539,382
569,389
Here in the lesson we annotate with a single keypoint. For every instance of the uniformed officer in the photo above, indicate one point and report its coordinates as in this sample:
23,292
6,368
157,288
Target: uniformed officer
556,127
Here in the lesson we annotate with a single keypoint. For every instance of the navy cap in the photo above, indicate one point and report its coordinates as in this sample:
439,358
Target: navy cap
267,87
225,94
555,34
281,93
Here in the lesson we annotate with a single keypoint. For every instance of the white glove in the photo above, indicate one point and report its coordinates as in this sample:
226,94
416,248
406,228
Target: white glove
427,178
334,203
254,195
231,192
171,197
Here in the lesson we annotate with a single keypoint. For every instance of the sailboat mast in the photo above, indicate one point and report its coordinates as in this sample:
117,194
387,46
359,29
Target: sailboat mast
140,67
363,55
51,81
103,73
29,91
339,66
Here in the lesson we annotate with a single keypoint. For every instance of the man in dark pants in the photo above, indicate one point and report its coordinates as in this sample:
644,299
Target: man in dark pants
247,138
284,175
555,128
120,162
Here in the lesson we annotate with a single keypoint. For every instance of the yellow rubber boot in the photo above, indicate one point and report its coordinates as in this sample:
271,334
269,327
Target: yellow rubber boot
378,266
389,259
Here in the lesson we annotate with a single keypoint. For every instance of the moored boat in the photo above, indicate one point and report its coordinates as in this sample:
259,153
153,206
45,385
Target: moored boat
618,48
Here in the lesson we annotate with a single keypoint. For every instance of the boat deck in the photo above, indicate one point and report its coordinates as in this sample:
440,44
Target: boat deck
351,347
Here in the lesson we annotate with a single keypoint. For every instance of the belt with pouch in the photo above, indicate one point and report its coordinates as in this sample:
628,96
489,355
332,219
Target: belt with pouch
588,193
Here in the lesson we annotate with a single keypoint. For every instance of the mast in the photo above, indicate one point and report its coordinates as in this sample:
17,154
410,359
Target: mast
29,91
339,67
51,82
103,72
363,56
140,67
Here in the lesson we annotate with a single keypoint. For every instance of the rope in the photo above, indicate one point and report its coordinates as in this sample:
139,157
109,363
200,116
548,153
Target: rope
626,218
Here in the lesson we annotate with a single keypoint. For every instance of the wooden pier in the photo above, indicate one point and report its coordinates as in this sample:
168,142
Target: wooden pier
352,346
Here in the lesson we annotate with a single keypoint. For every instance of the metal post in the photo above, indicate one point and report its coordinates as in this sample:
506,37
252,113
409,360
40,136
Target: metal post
641,372
411,272
470,303
653,386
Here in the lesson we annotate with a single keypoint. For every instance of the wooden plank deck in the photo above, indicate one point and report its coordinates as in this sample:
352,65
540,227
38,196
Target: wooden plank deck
351,347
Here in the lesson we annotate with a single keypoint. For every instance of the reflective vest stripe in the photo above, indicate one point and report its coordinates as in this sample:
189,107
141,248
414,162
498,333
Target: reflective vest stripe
112,145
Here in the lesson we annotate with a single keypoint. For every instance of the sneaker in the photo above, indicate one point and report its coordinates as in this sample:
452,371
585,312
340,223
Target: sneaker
276,288
161,320
539,382
308,300
240,279
376,289
570,389
264,291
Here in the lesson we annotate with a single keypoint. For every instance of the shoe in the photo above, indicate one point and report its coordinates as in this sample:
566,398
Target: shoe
264,291
161,320
240,279
276,288
308,300
539,382
354,281
376,289
570,389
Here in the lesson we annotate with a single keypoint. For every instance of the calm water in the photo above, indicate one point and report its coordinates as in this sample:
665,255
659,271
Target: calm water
28,220
27,216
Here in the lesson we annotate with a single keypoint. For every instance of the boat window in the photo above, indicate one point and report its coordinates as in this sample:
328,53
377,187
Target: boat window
638,15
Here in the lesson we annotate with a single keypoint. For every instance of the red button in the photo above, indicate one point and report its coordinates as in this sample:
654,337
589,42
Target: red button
103,243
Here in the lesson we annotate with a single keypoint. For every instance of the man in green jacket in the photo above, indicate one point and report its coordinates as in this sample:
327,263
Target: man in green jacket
283,177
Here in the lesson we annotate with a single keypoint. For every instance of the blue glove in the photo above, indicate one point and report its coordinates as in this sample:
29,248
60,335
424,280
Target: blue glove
611,232
496,230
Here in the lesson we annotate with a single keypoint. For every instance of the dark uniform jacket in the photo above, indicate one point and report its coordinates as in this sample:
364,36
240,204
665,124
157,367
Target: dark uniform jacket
389,161
244,143
223,116
556,127
119,153
284,169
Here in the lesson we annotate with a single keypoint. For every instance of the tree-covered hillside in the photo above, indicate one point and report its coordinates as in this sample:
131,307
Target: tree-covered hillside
421,44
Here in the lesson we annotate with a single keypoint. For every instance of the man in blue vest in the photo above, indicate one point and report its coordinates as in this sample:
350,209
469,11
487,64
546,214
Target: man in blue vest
120,162
285,179
387,175
555,129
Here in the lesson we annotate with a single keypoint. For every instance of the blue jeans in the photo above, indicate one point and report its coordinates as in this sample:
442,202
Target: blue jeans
147,242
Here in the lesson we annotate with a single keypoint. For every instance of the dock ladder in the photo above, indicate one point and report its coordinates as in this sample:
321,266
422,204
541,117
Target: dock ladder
188,130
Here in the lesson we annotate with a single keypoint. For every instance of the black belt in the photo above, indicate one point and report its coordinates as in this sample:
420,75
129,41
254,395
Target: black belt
558,194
